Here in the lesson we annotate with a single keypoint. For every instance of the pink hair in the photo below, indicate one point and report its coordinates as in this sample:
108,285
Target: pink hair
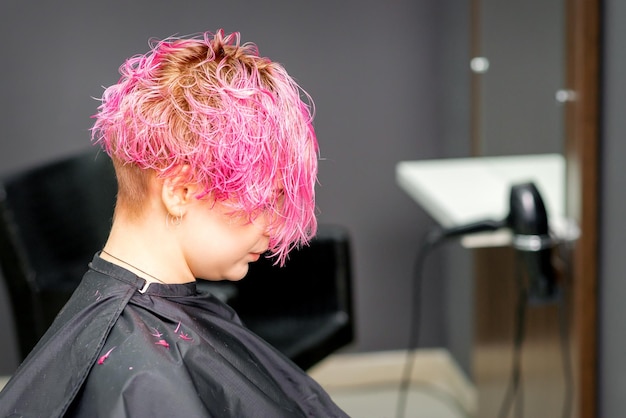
236,119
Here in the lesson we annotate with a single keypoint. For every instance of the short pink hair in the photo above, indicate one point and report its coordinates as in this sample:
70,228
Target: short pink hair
238,120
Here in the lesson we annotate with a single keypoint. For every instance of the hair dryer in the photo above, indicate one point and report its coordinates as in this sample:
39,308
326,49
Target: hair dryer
528,222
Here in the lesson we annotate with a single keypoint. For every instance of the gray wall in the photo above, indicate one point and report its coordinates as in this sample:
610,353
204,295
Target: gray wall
389,80
612,336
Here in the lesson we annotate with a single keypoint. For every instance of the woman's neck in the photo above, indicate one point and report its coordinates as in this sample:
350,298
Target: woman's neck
148,249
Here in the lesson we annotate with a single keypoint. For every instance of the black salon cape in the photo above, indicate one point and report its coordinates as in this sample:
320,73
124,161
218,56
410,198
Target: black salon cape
170,352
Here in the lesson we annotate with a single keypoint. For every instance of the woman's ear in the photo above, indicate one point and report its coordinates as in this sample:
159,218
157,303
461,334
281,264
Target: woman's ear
177,193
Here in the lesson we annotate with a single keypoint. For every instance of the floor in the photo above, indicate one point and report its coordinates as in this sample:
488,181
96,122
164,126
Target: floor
366,385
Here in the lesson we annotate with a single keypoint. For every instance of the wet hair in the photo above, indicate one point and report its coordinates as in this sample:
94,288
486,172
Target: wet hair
238,120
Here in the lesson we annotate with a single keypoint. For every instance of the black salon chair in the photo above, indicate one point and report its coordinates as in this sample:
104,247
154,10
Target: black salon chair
55,217
304,308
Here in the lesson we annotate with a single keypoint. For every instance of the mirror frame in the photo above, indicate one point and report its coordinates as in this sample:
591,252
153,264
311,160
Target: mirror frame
581,150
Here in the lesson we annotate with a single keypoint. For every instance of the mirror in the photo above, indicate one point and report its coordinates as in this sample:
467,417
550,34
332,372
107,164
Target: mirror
538,92
519,66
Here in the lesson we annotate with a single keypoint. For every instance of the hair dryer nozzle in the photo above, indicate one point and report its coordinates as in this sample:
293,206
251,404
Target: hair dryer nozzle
527,214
